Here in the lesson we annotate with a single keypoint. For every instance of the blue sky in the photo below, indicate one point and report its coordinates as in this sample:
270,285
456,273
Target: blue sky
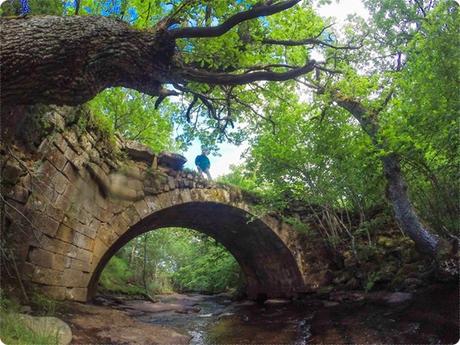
220,165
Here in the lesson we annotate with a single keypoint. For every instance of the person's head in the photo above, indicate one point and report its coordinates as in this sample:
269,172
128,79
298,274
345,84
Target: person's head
204,151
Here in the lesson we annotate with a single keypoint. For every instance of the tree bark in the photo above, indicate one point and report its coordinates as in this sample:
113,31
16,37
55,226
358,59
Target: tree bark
425,241
405,214
68,60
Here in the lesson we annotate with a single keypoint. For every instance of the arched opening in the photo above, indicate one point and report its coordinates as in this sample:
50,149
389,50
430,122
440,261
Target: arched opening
172,260
268,265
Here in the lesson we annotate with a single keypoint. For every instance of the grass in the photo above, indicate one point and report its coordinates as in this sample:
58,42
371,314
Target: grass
13,331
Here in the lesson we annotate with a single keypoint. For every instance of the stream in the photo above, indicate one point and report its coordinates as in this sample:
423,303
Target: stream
221,321
430,316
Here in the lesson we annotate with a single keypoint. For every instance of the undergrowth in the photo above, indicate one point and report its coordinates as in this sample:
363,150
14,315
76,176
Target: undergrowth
13,330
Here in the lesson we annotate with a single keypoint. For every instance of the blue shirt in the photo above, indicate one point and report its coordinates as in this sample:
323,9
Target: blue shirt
202,162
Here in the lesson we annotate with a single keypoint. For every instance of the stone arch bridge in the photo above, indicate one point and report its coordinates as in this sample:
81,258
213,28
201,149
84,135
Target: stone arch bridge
76,199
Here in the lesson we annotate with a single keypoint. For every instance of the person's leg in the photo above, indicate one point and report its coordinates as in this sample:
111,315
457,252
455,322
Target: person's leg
208,174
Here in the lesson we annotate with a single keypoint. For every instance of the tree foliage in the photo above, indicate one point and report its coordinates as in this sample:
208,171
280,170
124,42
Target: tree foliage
172,260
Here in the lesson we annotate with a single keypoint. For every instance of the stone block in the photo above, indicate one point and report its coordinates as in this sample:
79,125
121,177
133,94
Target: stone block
47,259
46,171
85,142
62,202
105,167
44,147
79,265
56,158
70,172
55,292
138,151
80,254
100,176
60,182
71,138
185,195
94,157
53,245
38,201
77,294
44,275
120,225
88,230
171,160
142,208
65,233
171,182
59,142
11,172
150,191
83,241
75,278
54,212
112,164
100,248
44,223
84,216
131,215
151,203
106,235
19,194
70,154
81,160
102,215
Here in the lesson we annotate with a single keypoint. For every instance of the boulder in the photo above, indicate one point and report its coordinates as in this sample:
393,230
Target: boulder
48,325
275,301
170,160
138,151
398,297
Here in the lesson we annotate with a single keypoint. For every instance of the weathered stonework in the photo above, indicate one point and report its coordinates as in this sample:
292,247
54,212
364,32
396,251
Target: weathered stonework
73,205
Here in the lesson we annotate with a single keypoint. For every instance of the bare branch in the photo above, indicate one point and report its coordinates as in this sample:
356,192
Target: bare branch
306,41
190,107
265,9
385,102
331,71
241,79
203,99
163,93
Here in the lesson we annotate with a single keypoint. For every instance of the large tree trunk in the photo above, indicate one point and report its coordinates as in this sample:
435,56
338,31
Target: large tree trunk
405,214
426,242
68,60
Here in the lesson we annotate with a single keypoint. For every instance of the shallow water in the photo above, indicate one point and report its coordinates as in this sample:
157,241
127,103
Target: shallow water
220,321
428,317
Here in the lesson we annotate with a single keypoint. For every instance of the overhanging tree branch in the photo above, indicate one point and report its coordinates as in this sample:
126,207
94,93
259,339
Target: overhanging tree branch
266,9
215,78
307,41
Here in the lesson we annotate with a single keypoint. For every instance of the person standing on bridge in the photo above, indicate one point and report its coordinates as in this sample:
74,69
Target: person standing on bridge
203,164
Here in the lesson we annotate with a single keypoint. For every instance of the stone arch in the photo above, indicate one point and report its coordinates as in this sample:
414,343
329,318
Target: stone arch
76,202
268,264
